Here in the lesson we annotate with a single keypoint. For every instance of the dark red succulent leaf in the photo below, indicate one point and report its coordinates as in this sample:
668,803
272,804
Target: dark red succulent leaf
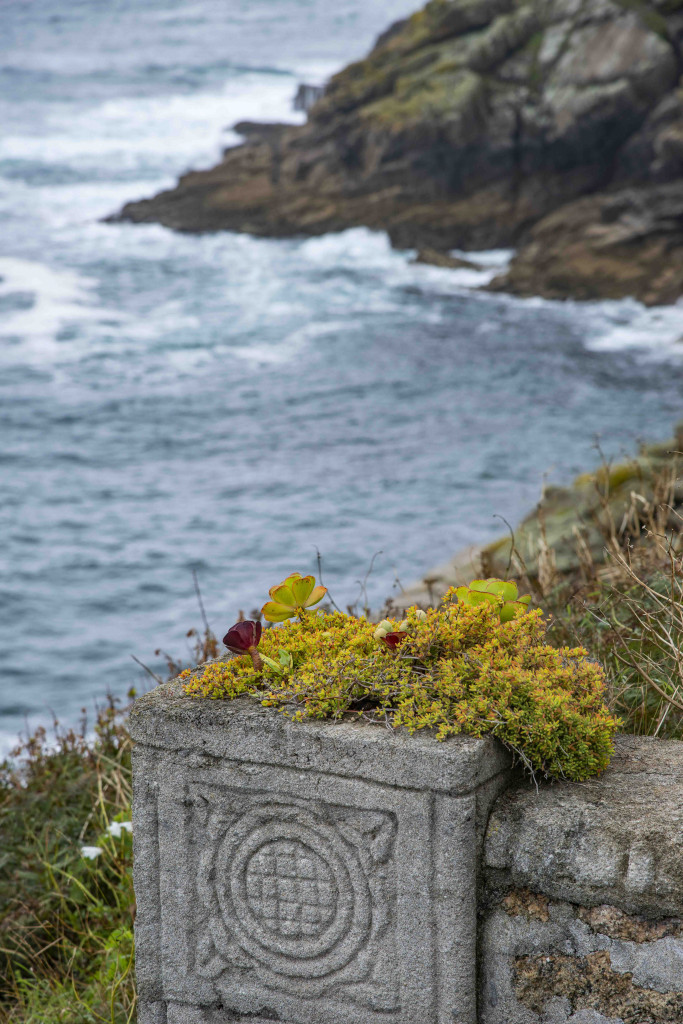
241,637
393,640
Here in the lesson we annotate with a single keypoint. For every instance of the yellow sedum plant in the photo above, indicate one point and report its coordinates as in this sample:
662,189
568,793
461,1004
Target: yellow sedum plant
458,669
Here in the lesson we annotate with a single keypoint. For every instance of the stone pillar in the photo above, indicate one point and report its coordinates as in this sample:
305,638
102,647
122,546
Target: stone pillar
309,873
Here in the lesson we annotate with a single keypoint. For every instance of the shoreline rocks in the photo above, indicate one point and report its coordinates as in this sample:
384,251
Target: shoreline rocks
550,126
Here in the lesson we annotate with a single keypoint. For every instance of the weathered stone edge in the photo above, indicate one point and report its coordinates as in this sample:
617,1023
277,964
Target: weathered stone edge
242,730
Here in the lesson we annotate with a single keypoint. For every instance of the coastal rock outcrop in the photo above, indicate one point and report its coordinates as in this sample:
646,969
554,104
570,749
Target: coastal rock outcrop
555,126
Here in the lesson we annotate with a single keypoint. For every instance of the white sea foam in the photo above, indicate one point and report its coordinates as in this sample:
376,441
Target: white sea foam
177,130
362,250
60,298
655,332
290,346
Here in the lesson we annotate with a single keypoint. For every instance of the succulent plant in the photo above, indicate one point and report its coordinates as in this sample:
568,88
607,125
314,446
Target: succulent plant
292,597
391,634
386,626
395,639
501,593
243,638
283,666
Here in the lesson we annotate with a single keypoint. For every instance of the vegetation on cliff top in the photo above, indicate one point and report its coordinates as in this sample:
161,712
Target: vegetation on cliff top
555,127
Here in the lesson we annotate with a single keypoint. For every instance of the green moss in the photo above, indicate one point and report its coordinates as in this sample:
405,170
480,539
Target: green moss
435,98
457,669
381,75
419,71
610,478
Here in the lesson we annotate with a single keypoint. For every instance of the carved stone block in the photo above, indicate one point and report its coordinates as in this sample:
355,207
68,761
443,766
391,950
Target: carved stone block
309,873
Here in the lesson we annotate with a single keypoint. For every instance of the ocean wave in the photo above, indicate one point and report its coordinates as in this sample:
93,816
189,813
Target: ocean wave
59,298
291,345
155,132
653,332
366,252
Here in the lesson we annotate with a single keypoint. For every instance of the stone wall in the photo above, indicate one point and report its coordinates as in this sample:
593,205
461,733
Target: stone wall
582,909
340,873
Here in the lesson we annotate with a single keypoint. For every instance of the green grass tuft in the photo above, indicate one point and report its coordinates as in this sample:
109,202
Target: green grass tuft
66,921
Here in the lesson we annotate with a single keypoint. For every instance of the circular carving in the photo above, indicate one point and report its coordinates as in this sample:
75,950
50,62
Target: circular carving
292,892
290,889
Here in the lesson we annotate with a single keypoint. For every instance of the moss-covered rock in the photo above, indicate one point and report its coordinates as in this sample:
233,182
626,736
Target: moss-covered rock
469,124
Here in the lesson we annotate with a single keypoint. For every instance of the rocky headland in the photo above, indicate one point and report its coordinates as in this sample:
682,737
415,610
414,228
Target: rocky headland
551,126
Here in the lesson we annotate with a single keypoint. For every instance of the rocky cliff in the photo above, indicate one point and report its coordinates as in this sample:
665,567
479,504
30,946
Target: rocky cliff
555,126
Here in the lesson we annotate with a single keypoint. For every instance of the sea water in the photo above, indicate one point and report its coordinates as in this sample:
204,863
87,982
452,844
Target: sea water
228,405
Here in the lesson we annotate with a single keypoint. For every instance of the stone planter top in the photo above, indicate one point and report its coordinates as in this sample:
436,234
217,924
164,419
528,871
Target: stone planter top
243,730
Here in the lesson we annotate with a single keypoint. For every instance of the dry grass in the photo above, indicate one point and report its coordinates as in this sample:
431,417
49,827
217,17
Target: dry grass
628,612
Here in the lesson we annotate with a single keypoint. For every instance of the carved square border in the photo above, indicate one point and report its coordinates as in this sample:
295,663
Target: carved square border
416,847
295,896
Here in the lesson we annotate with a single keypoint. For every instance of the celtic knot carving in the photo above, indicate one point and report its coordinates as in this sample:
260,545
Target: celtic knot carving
290,890
297,893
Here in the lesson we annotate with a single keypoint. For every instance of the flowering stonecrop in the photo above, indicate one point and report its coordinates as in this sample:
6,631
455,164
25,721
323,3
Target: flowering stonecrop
244,638
455,668
292,597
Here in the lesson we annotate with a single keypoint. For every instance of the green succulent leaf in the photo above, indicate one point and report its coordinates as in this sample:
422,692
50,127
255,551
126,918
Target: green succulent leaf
284,595
502,593
302,588
316,595
481,586
274,666
291,578
272,611
507,611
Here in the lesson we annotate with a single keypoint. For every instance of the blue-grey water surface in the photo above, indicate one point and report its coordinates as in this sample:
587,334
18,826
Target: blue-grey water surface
227,404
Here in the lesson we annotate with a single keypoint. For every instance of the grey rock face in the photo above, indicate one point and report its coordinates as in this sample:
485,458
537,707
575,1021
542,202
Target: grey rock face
304,872
585,890
615,840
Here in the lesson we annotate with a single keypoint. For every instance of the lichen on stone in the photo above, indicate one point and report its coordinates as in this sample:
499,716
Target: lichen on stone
524,903
590,983
616,924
